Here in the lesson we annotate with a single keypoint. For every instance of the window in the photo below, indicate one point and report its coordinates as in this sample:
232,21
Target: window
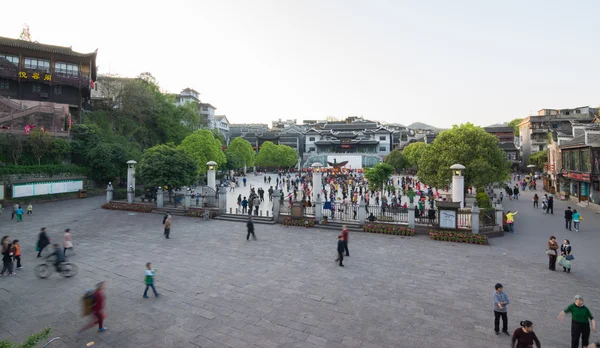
586,162
541,147
66,69
555,125
37,64
311,149
382,149
57,90
311,138
4,84
5,58
36,88
382,137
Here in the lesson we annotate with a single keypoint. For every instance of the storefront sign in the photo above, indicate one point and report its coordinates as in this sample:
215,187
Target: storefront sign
578,176
35,76
584,189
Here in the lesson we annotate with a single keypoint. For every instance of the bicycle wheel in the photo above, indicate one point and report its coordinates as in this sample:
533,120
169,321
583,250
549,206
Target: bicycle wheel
43,271
68,270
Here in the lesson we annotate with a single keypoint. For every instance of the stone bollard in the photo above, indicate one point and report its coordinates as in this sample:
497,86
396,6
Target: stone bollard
362,213
318,209
188,199
160,198
500,216
475,219
109,192
276,206
411,214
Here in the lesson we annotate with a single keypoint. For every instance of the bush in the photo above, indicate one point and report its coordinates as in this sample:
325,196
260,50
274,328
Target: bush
389,229
199,213
50,170
480,190
459,237
121,193
288,221
483,200
140,208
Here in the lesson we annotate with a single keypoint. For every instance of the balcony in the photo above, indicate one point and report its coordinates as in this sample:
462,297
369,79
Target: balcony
9,72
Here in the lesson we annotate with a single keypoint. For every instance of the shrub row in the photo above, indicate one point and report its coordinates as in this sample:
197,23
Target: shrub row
389,229
459,237
199,213
50,170
140,208
288,221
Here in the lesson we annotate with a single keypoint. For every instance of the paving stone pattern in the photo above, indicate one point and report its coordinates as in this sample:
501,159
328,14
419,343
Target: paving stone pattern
285,290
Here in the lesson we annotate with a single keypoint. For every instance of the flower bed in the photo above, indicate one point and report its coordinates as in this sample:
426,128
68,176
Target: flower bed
288,221
459,237
140,208
389,229
199,213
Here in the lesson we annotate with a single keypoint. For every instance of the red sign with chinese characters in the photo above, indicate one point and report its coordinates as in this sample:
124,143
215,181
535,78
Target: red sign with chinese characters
579,176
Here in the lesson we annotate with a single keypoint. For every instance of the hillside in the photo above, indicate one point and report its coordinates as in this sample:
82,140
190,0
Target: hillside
420,125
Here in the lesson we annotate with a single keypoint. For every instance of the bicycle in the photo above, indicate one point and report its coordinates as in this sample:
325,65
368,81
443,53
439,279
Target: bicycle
45,270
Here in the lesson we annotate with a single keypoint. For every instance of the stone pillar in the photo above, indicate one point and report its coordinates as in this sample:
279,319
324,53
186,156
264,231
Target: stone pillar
245,168
362,212
500,216
223,202
276,205
411,214
109,192
130,180
317,185
211,174
458,189
160,198
188,199
475,219
318,208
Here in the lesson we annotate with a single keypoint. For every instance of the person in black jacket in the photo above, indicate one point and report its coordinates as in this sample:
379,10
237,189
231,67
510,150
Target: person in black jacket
550,205
341,248
43,241
250,226
568,218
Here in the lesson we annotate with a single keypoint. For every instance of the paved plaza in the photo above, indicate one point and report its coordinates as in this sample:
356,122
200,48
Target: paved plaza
285,290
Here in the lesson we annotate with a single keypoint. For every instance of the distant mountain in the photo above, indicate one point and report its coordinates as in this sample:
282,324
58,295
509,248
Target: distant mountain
420,125
504,124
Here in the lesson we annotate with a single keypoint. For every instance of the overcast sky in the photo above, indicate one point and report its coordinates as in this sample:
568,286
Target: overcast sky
439,62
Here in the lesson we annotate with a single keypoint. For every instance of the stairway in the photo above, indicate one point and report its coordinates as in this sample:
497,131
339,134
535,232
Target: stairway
337,226
172,211
244,218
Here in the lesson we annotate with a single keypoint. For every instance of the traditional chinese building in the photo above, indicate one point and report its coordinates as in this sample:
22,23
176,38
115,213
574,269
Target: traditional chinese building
506,140
43,79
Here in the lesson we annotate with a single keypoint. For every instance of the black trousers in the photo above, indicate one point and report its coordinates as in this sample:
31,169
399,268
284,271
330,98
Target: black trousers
250,233
497,316
18,258
568,224
550,210
535,204
340,258
552,262
346,249
167,232
580,329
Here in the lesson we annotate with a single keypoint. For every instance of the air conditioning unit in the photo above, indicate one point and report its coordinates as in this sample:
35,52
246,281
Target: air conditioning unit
44,95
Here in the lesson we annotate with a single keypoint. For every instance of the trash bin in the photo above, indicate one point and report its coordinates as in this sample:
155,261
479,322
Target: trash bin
82,193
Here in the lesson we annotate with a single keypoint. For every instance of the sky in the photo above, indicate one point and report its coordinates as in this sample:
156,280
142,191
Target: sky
434,61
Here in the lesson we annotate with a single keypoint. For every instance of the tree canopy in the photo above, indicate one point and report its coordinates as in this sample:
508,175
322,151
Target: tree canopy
276,156
539,159
166,165
396,160
515,125
412,153
40,143
471,146
243,149
378,175
203,147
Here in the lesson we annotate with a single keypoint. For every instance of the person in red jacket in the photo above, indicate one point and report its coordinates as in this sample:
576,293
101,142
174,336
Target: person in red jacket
97,310
345,239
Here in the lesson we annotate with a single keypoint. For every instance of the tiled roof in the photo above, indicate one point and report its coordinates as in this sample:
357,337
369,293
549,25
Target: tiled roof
35,46
351,126
593,138
499,129
508,146
576,141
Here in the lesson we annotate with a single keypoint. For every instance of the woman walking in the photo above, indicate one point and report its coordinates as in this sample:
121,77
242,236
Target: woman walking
535,201
524,337
43,241
565,249
576,220
552,253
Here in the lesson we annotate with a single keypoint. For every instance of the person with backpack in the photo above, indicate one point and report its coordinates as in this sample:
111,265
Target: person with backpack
94,305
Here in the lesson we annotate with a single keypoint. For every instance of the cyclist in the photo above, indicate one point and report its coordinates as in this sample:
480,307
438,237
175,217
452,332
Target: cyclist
59,256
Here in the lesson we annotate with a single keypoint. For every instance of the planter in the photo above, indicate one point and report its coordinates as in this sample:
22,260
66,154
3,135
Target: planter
459,237
288,221
388,229
140,208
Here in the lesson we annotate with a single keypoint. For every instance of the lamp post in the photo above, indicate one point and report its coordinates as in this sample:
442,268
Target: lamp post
211,174
130,180
458,184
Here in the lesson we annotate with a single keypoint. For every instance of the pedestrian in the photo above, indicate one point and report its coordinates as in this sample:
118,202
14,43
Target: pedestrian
568,218
29,209
19,214
580,318
341,248
516,192
68,243
500,303
545,204
345,239
550,205
535,201
552,253
43,241
244,205
149,280
565,250
97,309
167,226
250,226
577,218
17,251
510,220
14,211
7,256
524,337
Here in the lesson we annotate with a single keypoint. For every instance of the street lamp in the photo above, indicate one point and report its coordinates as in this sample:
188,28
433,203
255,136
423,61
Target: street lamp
458,184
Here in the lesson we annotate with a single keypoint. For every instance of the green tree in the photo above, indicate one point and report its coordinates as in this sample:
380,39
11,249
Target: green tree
203,147
413,152
471,146
60,149
286,156
219,136
107,160
267,155
40,144
515,125
166,165
234,161
378,175
396,160
539,159
31,341
243,149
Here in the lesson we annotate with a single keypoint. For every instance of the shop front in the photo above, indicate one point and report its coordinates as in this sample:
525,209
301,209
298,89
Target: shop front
576,186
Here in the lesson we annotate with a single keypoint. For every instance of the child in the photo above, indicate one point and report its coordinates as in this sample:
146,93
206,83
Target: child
500,302
17,252
29,209
150,280
341,248
68,244
19,214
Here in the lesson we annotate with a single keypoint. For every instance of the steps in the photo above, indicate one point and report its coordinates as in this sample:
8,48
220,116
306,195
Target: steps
172,211
337,226
244,218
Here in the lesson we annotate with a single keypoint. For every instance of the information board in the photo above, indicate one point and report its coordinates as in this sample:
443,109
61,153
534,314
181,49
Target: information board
1,192
24,190
46,188
448,219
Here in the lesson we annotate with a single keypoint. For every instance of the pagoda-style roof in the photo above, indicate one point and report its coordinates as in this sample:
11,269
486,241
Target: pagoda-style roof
350,126
351,142
345,135
36,46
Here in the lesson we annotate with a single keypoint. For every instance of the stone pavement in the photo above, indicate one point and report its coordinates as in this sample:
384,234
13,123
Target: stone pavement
285,290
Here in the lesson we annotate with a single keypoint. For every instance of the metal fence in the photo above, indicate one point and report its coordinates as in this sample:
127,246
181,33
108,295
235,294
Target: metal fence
426,217
487,218
341,212
388,214
463,217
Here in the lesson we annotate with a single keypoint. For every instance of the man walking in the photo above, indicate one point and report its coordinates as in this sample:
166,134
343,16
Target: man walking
345,239
244,205
167,224
580,318
568,218
340,248
500,302
550,205
250,226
